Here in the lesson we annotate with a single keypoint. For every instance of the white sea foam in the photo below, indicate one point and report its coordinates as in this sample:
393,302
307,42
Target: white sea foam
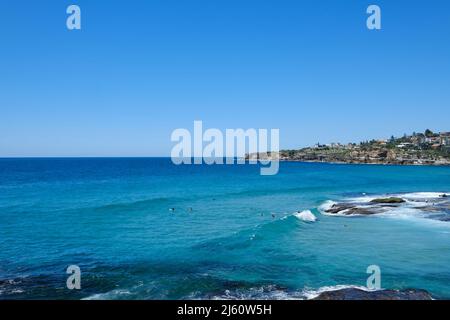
365,198
268,292
271,292
402,212
422,195
314,293
111,295
326,206
414,196
306,216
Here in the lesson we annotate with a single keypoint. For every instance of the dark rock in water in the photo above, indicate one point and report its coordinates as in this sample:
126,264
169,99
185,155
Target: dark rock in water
437,209
358,294
445,218
429,209
352,209
362,211
338,207
388,200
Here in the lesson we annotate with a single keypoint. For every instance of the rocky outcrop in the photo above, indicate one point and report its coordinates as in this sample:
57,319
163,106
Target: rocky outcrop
388,200
358,294
437,208
353,209
339,207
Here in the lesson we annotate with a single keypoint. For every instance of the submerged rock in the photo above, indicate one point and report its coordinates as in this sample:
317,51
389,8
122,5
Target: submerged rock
358,294
388,200
445,218
429,209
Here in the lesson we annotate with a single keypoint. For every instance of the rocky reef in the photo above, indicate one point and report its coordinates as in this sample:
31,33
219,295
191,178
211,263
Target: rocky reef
433,206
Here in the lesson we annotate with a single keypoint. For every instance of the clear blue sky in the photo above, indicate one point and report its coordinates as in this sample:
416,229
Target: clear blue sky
139,69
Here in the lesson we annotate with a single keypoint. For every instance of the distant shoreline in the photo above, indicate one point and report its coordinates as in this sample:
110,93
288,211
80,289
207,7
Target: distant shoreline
368,163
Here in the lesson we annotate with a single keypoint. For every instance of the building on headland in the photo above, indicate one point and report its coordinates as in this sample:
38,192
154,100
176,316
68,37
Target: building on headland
418,139
433,140
335,145
405,144
444,138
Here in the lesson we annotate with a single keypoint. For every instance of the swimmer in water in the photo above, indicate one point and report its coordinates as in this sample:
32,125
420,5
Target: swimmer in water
273,215
190,209
172,209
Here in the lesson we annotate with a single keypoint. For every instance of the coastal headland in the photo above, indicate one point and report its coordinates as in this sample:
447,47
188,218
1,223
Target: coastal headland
426,148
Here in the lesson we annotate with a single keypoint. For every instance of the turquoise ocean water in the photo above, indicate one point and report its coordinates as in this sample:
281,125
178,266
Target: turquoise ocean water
232,233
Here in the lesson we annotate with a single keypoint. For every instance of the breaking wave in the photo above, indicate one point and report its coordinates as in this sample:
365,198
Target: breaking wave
273,292
306,216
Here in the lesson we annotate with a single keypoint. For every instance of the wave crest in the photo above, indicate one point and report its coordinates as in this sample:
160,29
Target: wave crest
306,216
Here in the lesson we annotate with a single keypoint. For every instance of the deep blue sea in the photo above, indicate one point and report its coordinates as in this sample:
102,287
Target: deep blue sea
232,233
